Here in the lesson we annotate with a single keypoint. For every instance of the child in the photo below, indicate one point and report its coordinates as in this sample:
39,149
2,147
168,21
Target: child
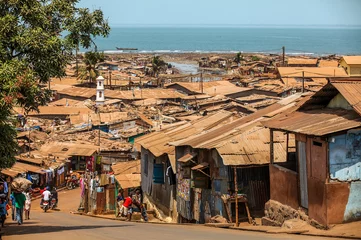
3,211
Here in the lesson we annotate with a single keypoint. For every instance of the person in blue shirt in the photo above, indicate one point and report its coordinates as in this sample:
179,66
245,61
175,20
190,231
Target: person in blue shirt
3,211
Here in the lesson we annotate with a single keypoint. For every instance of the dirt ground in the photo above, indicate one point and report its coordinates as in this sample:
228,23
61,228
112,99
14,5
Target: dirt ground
56,225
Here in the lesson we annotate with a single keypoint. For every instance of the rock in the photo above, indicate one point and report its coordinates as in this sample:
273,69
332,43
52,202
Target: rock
218,219
295,224
268,222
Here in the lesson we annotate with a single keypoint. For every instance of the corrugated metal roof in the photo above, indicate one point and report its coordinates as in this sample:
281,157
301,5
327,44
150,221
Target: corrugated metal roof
312,72
211,88
318,122
23,167
128,180
129,167
252,147
302,61
69,149
158,142
328,63
352,60
205,139
55,110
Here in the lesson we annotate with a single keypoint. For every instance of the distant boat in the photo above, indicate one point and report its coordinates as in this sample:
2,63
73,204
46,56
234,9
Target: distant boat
130,49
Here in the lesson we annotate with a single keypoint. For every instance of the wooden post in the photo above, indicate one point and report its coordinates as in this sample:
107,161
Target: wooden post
271,147
303,81
236,195
283,55
287,143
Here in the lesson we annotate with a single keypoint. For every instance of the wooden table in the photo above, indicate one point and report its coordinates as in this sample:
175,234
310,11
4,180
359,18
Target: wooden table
240,199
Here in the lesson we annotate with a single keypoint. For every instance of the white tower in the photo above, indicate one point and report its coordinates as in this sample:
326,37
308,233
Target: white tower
100,91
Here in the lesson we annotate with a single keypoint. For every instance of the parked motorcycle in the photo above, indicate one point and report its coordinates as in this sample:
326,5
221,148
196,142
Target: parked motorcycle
72,183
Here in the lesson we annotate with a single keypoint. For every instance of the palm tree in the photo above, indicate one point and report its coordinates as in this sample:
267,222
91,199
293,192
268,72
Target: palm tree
238,58
157,64
89,71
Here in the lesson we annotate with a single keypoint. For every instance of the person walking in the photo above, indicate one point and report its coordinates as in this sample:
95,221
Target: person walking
3,211
27,204
120,201
19,206
12,201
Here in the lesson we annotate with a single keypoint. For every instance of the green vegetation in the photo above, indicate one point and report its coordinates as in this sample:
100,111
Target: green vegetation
33,50
255,58
157,64
238,58
89,71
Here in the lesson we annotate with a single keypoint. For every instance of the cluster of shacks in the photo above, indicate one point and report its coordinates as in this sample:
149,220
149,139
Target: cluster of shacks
303,152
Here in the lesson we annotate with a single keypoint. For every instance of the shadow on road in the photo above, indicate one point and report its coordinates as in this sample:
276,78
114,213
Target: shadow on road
34,229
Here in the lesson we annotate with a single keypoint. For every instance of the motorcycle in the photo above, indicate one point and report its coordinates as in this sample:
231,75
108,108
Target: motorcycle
72,183
53,203
45,205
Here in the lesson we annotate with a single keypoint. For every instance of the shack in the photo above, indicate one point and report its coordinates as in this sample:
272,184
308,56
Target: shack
324,180
207,164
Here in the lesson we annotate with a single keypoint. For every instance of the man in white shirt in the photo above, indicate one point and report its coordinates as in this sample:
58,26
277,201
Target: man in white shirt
45,196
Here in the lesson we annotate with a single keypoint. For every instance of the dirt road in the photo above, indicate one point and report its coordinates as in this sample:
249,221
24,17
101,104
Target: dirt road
55,225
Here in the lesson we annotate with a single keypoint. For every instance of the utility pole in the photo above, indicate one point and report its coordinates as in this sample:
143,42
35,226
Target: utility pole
303,81
201,82
283,55
29,143
110,78
236,195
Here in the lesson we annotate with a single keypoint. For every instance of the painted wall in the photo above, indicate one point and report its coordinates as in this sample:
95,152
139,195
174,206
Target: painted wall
352,70
339,101
283,185
345,156
353,207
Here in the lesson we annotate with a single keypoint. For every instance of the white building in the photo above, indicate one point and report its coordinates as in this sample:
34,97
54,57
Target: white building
100,98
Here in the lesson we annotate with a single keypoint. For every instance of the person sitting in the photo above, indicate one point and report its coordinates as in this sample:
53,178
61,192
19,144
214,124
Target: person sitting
45,195
54,194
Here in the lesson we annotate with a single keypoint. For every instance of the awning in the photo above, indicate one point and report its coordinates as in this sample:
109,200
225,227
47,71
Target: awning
187,158
201,166
128,180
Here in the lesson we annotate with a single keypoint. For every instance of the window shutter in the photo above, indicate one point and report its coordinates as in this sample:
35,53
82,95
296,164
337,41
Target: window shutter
158,174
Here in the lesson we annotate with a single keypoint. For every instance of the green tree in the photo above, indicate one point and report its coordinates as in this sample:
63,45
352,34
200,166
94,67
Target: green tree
33,49
86,25
157,64
89,71
238,58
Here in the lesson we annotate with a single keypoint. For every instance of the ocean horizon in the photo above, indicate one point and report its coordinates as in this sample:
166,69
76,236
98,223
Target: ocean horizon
267,39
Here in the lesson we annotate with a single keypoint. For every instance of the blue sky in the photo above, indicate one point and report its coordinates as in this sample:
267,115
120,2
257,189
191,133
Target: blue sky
225,12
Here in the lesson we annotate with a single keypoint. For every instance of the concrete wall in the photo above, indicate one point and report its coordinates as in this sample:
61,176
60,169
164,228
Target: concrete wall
355,70
353,207
283,185
352,70
345,156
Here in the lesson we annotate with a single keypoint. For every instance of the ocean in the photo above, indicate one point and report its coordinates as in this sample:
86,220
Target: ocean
297,40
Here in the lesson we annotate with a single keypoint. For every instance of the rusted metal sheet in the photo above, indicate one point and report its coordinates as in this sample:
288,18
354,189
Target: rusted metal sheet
317,122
